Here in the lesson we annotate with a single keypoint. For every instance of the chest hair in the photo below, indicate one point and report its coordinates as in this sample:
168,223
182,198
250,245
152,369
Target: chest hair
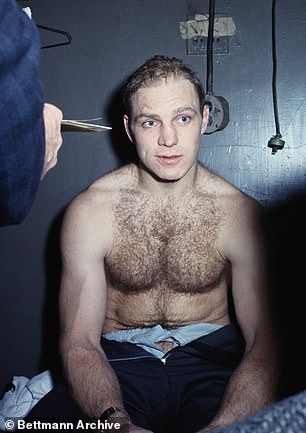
165,244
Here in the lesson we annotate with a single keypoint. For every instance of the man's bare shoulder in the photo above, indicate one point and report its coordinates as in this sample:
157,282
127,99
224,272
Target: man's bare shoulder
242,217
95,204
114,181
228,196
104,191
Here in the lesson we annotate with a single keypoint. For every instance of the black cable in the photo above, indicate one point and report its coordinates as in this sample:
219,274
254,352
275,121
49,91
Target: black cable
275,142
210,41
274,75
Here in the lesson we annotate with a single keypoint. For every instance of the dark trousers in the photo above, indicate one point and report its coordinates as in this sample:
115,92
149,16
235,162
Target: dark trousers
178,394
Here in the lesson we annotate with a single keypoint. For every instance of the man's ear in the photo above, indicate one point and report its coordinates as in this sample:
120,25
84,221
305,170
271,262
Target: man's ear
205,118
127,128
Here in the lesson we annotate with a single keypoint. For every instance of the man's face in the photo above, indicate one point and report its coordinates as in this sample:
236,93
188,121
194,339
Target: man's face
166,126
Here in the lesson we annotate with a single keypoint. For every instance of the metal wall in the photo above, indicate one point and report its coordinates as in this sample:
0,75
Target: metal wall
109,40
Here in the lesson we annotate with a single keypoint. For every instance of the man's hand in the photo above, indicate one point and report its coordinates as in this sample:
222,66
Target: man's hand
53,138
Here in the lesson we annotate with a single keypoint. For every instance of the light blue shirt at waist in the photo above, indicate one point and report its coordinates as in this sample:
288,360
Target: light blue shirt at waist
148,337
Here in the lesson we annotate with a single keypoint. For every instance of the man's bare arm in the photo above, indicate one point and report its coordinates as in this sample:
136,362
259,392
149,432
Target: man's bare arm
85,241
254,383
82,307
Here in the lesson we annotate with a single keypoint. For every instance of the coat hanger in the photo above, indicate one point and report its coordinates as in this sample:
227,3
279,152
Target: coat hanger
28,11
61,32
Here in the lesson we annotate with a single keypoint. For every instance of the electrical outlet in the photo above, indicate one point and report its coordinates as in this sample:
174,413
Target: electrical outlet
218,113
198,45
196,39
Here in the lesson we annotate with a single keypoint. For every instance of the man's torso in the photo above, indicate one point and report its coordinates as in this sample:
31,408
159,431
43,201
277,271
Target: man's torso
164,266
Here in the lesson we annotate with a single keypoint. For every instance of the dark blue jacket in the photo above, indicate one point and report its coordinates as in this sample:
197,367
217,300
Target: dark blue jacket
22,143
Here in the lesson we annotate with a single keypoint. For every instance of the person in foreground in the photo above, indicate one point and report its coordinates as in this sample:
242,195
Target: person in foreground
168,263
30,134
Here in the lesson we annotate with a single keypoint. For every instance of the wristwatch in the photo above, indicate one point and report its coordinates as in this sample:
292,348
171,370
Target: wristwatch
113,409
110,411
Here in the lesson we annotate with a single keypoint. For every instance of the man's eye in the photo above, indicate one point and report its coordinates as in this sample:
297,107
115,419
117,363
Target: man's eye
149,124
184,119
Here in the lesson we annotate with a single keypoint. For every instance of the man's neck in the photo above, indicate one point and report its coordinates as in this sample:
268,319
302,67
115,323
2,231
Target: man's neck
163,188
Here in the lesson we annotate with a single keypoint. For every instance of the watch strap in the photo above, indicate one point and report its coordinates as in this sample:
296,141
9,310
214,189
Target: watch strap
111,410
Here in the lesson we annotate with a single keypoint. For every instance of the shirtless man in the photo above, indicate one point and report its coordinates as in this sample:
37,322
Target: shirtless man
153,250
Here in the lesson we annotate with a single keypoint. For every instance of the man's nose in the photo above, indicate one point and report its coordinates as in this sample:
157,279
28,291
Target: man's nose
167,136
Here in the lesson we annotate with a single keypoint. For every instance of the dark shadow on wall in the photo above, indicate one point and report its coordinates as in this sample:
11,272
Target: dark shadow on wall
50,358
289,258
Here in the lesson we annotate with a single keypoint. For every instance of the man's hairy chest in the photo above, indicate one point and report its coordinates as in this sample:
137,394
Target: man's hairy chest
165,244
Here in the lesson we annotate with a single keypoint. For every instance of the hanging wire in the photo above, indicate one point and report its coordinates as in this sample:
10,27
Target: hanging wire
210,43
274,75
275,142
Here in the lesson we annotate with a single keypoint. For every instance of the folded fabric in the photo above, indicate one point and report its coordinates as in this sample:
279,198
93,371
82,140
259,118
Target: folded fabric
148,337
23,395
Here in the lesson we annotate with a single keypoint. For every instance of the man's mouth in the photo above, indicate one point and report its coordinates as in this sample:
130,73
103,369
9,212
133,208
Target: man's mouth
169,159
